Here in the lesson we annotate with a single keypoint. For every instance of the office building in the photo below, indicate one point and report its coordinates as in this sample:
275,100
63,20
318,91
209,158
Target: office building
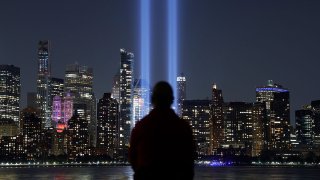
107,121
216,119
197,113
31,126
182,92
79,83
43,83
78,134
10,92
305,127
140,107
125,101
56,87
277,126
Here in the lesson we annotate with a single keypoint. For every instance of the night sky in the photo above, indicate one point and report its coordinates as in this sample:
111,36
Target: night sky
237,44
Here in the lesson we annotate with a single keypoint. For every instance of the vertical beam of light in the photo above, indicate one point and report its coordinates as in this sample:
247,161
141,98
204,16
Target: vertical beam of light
172,48
145,53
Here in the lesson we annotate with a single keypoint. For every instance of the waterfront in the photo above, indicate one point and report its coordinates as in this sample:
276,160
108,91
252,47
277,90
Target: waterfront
125,172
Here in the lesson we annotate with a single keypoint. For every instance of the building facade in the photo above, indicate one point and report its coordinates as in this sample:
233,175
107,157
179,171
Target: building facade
182,92
197,113
277,105
125,101
140,107
43,83
305,127
217,118
31,126
79,84
78,135
10,92
107,122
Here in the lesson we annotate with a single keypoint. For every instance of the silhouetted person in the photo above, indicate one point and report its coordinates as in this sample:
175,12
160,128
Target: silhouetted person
161,144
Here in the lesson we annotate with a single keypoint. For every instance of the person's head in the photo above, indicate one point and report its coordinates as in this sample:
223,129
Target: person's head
162,95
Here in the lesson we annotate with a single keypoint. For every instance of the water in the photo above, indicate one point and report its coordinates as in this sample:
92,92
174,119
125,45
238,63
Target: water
125,172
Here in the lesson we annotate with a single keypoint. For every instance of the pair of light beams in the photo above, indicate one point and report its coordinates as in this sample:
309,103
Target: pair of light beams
172,55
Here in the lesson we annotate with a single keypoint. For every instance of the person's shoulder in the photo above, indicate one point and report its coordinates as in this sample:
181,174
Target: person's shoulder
143,121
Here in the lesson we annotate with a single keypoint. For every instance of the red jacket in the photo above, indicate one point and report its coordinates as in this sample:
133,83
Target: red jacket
162,146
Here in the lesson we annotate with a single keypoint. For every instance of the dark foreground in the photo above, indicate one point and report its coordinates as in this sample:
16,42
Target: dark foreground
125,172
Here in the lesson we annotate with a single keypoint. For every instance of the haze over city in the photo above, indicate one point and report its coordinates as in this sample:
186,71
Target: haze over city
238,45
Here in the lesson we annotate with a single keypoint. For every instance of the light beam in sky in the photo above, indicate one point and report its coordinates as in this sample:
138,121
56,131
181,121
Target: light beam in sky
145,52
172,47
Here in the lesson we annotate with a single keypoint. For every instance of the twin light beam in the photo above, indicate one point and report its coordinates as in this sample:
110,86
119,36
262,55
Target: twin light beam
172,55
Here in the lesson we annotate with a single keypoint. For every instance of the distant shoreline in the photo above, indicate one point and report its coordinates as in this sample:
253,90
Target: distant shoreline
107,164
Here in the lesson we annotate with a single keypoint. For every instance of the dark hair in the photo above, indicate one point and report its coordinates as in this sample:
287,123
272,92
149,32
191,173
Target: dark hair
162,95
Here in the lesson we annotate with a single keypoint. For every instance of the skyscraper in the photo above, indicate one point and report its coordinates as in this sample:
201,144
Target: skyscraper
238,125
56,87
10,92
43,83
31,131
197,113
182,92
62,111
243,126
107,121
140,106
277,125
79,83
115,94
315,107
125,101
216,119
305,127
78,136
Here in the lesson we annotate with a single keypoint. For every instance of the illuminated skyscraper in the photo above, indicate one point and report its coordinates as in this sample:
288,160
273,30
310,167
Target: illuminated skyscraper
31,131
56,87
258,117
125,103
305,127
315,107
243,127
107,120
217,123
140,106
182,92
116,87
78,136
62,110
10,92
43,83
79,83
277,125
197,113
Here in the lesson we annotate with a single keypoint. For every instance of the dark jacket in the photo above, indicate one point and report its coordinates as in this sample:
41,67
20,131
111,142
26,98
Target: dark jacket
162,147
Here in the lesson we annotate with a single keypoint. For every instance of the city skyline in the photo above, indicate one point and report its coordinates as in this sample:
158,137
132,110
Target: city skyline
239,46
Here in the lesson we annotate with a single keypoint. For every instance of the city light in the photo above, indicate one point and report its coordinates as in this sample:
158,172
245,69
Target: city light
172,47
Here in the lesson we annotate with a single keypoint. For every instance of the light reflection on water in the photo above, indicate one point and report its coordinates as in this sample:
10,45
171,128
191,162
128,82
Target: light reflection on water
125,173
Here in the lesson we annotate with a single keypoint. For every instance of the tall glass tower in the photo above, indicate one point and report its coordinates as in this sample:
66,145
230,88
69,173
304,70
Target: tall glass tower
125,101
79,83
277,105
182,92
9,92
43,83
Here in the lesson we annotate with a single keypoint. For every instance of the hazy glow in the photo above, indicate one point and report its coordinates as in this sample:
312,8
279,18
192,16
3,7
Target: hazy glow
145,49
172,47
